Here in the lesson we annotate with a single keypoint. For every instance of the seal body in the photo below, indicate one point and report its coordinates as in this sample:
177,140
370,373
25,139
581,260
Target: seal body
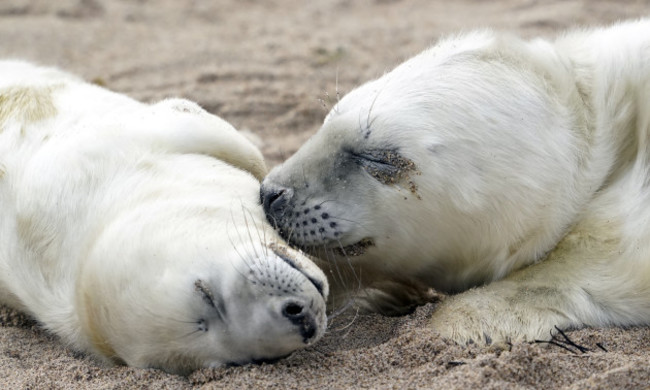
512,172
134,231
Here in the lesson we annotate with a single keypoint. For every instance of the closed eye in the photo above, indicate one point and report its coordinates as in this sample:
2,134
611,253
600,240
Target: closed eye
206,294
386,166
209,298
372,157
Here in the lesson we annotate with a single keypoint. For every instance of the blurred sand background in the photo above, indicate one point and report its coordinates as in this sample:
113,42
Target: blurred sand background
265,66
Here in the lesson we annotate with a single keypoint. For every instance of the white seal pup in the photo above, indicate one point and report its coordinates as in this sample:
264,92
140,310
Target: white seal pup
134,231
517,170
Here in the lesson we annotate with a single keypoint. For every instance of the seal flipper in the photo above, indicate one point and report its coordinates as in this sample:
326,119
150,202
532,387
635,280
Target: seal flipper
194,130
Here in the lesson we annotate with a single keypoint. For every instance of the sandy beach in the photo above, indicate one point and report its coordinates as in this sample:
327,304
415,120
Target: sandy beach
274,68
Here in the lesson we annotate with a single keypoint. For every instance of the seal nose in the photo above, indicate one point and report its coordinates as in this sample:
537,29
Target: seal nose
300,316
274,200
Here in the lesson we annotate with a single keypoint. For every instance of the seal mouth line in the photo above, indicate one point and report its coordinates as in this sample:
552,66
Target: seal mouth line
283,255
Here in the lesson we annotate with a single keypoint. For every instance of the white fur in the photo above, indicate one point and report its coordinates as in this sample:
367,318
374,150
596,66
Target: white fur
121,220
531,179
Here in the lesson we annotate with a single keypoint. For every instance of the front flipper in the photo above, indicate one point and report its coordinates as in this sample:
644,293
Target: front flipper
505,312
592,278
181,126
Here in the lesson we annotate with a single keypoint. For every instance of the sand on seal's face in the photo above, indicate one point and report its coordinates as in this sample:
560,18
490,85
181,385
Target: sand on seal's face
133,231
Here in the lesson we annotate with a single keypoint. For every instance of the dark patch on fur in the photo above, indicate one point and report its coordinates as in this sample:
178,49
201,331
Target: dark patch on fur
386,166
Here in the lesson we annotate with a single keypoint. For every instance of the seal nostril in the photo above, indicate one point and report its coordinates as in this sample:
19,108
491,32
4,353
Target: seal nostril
301,317
293,311
274,199
276,196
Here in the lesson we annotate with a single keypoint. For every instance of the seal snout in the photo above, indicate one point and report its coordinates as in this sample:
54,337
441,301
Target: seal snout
302,317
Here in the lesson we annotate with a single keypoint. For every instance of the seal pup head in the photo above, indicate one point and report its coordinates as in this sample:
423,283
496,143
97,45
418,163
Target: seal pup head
197,296
451,170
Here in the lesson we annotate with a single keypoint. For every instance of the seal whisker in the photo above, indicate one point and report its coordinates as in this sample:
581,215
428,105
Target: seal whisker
261,237
255,226
341,309
349,263
360,123
367,130
190,333
244,258
337,273
325,201
265,243
355,291
248,258
255,279
247,261
328,97
368,121
291,233
250,236
346,220
331,329
240,236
